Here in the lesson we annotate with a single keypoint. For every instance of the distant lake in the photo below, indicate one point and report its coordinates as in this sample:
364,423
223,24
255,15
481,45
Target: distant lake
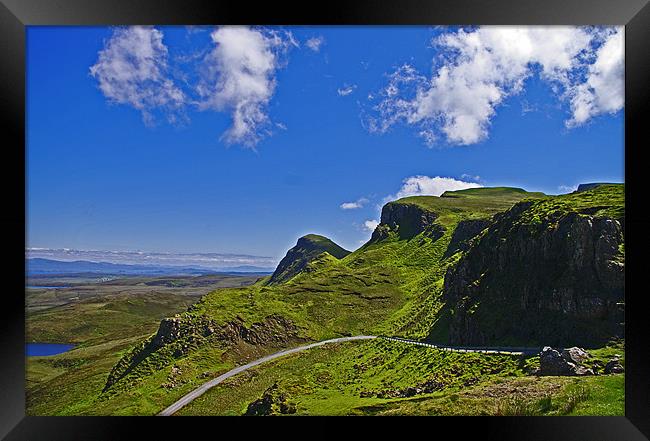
46,287
43,349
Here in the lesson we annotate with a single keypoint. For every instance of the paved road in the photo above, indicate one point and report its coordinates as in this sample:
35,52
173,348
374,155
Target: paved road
503,350
210,384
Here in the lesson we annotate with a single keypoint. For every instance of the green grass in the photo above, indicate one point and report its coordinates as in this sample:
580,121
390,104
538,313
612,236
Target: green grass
601,201
391,287
475,203
104,318
338,379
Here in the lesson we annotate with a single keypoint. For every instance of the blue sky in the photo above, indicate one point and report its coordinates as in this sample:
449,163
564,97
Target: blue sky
240,140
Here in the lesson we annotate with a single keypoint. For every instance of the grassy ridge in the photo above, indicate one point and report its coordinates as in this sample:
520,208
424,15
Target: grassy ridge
601,201
390,287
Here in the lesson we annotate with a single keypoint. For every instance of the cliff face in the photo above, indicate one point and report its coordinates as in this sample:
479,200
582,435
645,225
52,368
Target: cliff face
552,281
407,221
465,231
306,250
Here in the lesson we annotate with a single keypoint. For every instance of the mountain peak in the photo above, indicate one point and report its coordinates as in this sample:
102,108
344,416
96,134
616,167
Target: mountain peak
307,249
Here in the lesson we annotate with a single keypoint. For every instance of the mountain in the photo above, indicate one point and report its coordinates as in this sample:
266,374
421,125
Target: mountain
545,272
392,285
307,249
40,266
478,266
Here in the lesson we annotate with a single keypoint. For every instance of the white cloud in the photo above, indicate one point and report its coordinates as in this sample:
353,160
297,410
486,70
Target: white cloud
315,43
132,69
370,225
346,90
477,69
238,76
359,203
604,89
427,186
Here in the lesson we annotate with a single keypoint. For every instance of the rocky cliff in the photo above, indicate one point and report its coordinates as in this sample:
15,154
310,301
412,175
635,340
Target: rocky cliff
307,249
465,231
407,221
547,272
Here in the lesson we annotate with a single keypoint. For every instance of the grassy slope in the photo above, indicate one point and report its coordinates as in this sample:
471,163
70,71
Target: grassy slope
344,379
391,287
105,322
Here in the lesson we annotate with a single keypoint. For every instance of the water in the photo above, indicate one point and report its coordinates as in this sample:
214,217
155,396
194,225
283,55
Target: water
43,349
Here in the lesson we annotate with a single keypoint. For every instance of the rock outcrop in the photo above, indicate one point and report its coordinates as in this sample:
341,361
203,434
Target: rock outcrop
307,249
177,336
566,362
273,402
530,279
407,221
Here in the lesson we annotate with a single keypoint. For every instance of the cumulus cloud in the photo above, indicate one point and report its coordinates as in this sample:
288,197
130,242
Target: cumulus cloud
132,69
370,225
239,76
427,186
477,69
346,90
604,89
359,203
315,43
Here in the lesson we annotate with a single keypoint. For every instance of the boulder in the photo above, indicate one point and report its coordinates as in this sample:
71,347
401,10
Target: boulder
575,355
614,366
566,363
551,362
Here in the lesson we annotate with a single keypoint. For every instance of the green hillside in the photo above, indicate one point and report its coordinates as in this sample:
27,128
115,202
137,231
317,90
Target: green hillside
307,249
392,285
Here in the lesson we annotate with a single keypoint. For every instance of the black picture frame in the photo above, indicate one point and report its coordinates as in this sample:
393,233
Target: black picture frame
15,15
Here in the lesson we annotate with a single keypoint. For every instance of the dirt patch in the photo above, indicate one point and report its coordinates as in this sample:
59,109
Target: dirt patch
530,388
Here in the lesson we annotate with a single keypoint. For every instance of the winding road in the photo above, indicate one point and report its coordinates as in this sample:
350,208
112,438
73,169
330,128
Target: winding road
210,384
185,400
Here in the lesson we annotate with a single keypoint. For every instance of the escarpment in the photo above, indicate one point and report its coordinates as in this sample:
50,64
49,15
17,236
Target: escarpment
407,221
465,231
543,273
